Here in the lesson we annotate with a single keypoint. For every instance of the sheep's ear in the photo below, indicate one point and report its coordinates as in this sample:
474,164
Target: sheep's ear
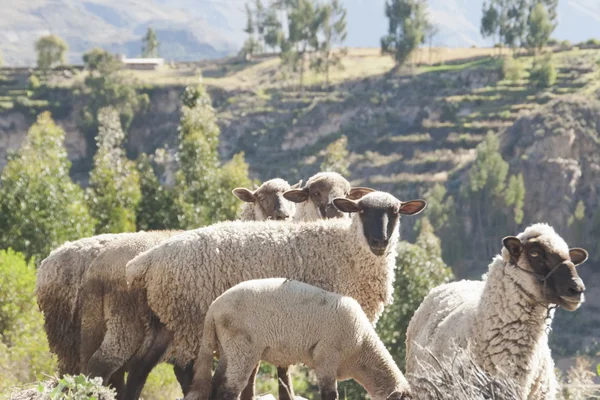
358,192
297,185
412,207
296,195
244,195
514,247
578,255
346,205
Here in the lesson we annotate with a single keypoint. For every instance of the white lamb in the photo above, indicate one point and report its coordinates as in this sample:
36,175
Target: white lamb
288,322
355,257
505,318
267,201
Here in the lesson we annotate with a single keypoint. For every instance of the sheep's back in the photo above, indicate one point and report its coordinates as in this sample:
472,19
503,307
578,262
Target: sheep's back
443,321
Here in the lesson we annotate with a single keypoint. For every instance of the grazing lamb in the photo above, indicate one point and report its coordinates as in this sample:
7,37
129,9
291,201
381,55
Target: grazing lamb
288,322
110,322
355,257
505,318
267,201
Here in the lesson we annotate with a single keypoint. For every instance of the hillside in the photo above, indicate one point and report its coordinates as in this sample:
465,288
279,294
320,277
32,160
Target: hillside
192,30
406,133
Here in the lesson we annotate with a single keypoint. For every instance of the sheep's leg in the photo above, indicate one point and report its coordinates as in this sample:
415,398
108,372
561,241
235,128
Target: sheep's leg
90,304
117,381
328,388
143,365
248,393
286,390
185,376
230,381
327,365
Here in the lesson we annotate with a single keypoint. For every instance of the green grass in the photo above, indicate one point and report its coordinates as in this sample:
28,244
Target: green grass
487,63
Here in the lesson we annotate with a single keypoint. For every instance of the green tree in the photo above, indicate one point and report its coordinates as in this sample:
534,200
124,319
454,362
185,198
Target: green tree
303,25
490,21
337,157
577,223
406,30
150,44
419,268
540,28
514,197
273,35
100,60
203,185
156,209
24,352
114,191
40,207
333,30
51,50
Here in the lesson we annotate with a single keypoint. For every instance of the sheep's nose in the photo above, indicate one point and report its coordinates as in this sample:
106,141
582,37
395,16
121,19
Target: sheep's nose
378,242
576,287
280,214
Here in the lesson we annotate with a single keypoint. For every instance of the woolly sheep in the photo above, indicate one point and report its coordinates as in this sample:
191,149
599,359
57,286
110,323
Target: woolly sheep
267,201
58,278
288,322
504,318
355,257
109,314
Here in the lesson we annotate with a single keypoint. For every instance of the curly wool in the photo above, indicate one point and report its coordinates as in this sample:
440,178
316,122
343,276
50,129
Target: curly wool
106,304
58,278
183,275
498,318
325,331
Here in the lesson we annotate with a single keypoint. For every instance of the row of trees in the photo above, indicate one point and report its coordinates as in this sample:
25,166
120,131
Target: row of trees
304,32
42,208
519,23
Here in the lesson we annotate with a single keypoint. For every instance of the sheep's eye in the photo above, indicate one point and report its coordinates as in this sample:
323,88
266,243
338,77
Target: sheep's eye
316,194
534,253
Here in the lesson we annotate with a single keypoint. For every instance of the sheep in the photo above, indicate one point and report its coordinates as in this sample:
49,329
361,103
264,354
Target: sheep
504,318
58,278
355,257
266,201
123,341
288,322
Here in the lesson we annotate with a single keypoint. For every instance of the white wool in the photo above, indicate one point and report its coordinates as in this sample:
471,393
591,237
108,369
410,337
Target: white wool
499,318
183,275
287,322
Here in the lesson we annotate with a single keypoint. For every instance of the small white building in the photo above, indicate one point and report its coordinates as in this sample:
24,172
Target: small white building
142,63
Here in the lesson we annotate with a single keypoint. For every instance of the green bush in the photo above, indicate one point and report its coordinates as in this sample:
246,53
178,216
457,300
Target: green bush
512,69
543,74
162,384
566,45
33,83
24,353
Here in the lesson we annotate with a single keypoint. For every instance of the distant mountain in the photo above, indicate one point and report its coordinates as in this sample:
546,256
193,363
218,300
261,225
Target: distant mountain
197,29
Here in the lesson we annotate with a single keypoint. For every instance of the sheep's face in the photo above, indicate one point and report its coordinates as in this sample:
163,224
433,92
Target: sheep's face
268,199
321,189
379,214
554,277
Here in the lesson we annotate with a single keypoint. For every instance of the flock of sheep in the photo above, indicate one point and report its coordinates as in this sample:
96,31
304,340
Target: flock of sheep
301,278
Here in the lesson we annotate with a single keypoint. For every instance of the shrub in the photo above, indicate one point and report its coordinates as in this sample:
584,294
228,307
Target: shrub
161,384
449,111
543,74
24,353
566,45
512,69
33,83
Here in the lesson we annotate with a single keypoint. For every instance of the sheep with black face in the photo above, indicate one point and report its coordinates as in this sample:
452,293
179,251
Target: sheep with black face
354,257
504,319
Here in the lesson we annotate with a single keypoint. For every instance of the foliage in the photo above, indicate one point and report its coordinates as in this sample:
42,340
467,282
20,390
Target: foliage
203,184
543,74
580,378
419,268
156,209
490,21
337,157
51,51
512,69
114,191
33,83
24,352
333,30
150,44
406,30
539,28
40,207
100,60
303,26
161,384
514,196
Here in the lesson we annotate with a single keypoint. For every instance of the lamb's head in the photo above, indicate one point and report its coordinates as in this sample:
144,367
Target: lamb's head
321,189
268,199
379,213
553,278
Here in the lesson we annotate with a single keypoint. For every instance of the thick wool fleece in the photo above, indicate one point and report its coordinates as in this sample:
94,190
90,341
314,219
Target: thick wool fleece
337,185
183,275
255,212
502,319
58,279
287,322
106,304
